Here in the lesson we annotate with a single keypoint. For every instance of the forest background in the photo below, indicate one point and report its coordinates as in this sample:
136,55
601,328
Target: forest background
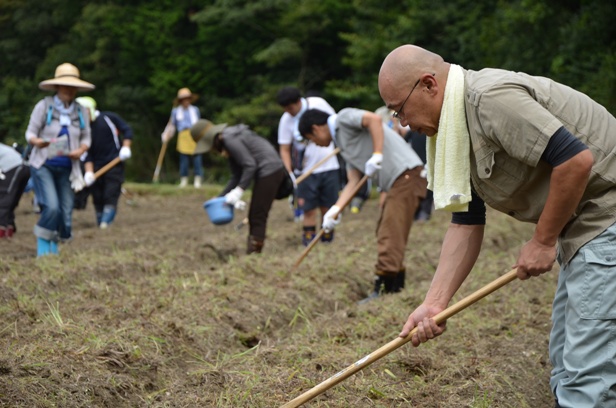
236,54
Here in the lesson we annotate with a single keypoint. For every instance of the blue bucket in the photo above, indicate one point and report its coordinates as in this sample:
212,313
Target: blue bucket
220,213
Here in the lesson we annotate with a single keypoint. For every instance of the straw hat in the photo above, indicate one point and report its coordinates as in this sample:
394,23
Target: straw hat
67,75
184,93
203,132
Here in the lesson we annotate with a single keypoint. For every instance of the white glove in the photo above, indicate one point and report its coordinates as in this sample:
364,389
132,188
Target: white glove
240,205
125,153
168,132
78,184
373,164
294,179
329,222
234,195
89,178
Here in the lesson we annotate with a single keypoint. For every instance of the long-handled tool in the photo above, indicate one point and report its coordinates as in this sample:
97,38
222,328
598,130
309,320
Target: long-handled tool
106,167
301,178
317,237
311,170
394,344
159,163
241,224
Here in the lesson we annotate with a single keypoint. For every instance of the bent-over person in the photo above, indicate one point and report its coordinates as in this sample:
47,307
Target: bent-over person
253,160
371,148
543,153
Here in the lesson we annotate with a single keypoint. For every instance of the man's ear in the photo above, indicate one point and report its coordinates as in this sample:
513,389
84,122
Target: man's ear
430,81
325,128
311,134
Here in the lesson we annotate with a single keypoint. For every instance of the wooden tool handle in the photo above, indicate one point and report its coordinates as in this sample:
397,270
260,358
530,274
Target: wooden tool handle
394,344
317,237
159,163
308,172
106,167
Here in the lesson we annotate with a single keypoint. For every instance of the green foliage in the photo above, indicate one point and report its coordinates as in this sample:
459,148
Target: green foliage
279,51
237,53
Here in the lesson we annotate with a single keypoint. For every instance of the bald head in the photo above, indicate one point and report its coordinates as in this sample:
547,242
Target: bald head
404,65
412,82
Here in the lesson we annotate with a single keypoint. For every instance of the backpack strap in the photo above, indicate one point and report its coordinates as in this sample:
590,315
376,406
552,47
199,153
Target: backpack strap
82,123
49,112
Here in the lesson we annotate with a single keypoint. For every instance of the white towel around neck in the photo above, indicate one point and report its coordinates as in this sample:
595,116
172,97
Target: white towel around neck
448,151
192,112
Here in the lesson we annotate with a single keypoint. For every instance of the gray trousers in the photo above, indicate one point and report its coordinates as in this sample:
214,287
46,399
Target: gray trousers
583,337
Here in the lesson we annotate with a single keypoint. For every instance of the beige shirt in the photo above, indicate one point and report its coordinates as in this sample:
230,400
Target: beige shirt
511,117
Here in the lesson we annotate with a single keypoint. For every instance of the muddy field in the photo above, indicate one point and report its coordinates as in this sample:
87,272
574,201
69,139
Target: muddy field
164,310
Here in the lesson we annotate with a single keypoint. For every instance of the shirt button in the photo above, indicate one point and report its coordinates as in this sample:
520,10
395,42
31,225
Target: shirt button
487,170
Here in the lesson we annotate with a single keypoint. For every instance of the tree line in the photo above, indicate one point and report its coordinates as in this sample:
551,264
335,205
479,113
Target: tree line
236,54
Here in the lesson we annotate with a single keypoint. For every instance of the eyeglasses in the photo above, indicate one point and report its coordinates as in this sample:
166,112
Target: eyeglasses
397,113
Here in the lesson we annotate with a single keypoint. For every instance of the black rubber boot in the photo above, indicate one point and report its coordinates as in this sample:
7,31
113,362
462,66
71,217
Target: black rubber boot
400,278
255,245
385,284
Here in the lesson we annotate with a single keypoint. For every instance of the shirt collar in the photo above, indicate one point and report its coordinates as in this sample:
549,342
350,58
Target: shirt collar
331,123
303,109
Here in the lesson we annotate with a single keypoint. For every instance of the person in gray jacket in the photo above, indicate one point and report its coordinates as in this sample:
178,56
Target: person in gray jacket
251,158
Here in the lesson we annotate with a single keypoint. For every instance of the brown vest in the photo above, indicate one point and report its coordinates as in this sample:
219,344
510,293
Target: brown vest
509,131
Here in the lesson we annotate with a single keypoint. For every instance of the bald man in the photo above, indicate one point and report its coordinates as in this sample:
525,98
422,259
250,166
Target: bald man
540,152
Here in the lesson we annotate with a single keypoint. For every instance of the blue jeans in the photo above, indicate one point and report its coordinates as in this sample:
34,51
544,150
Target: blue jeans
584,327
197,165
52,187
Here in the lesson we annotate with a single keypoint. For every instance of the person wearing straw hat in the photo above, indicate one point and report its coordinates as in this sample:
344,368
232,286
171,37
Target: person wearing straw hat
59,131
370,147
540,152
253,160
183,116
111,139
